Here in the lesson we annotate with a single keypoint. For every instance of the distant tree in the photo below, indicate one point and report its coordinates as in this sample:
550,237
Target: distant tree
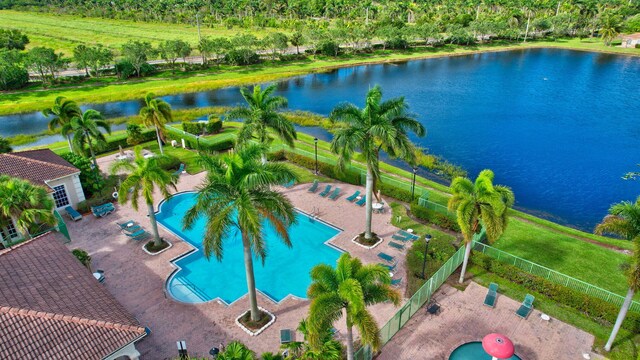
215,47
156,113
13,74
45,62
276,42
297,39
247,43
86,131
11,39
5,146
610,25
171,50
134,134
92,57
81,57
63,111
25,204
137,53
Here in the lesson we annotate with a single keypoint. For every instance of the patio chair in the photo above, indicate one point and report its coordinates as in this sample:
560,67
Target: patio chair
385,257
396,282
396,245
180,170
314,187
391,267
326,191
353,197
362,201
290,184
73,214
286,336
490,299
526,307
334,195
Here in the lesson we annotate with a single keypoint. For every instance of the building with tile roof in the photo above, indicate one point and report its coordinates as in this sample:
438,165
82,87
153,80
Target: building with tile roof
631,40
52,307
44,168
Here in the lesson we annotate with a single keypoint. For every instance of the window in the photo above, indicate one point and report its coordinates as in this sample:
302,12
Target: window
12,230
60,196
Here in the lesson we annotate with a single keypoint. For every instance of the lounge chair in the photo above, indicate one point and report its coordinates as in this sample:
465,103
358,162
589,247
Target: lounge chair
130,229
103,210
326,191
396,245
73,214
138,235
286,336
126,224
389,267
314,187
401,238
490,299
408,234
526,307
362,201
334,195
396,282
385,257
180,170
290,184
353,197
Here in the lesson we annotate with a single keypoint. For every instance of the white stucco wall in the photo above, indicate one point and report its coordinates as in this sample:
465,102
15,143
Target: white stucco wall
128,352
72,186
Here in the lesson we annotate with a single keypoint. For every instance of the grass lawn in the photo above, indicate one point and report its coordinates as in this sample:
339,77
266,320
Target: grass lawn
626,346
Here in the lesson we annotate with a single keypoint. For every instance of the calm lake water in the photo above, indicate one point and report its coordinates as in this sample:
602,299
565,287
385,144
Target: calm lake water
560,127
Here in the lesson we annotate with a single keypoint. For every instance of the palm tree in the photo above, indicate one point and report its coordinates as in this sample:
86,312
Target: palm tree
63,110
329,349
610,25
260,116
378,126
477,205
236,195
86,130
145,175
236,350
25,204
348,289
156,113
624,220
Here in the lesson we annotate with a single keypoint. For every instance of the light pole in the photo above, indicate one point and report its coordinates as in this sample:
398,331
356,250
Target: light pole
426,249
315,142
413,183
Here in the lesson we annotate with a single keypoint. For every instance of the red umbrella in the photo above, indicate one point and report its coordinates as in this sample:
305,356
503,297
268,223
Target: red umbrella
498,346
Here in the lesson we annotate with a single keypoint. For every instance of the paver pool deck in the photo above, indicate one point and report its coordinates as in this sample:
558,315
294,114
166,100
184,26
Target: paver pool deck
137,279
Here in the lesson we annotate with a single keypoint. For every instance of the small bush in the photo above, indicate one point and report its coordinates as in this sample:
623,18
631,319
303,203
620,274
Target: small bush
214,125
279,155
594,308
83,257
241,57
329,48
134,134
169,162
194,128
394,192
434,217
124,69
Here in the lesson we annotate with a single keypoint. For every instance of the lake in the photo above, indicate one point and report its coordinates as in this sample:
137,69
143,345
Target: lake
560,127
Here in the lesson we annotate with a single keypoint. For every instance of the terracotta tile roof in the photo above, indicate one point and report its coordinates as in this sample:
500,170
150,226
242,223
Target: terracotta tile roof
635,36
51,307
36,166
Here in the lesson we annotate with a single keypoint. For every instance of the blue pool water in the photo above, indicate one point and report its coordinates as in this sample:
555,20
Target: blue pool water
473,351
285,271
560,127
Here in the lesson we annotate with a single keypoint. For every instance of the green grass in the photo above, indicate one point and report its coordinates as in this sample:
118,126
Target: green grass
64,32
625,347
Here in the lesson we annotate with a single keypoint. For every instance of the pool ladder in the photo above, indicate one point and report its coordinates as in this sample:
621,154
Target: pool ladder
315,213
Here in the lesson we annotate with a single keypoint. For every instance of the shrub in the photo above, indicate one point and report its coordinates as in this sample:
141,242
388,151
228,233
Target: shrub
348,176
241,57
394,192
169,162
194,128
214,125
115,144
124,69
91,181
440,249
5,146
594,308
134,134
83,257
435,217
329,48
208,145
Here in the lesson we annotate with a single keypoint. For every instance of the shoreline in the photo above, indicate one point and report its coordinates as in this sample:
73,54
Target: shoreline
288,72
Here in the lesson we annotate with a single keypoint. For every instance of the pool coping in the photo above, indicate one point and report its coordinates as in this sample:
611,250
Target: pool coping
460,343
173,261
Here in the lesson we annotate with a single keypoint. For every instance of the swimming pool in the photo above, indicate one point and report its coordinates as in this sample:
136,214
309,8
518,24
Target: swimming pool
473,351
285,271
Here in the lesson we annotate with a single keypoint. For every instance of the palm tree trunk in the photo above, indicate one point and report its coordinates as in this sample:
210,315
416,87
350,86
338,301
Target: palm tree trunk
349,342
369,203
526,31
467,252
154,225
93,156
251,281
263,158
69,142
621,315
24,235
159,141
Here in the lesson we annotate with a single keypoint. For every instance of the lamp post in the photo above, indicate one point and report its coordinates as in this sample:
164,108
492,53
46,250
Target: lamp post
413,183
426,249
315,142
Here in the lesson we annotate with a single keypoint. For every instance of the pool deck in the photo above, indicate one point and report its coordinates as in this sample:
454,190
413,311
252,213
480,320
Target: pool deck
137,279
464,318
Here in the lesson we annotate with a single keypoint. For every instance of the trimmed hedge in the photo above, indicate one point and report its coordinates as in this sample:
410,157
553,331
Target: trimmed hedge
207,145
434,217
114,144
594,308
348,176
197,128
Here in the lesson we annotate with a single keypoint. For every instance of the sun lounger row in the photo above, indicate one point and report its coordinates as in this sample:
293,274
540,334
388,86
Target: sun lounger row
360,202
133,230
327,192
103,210
404,236
523,311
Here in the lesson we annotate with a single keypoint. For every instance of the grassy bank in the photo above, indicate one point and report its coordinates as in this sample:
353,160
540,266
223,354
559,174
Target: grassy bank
26,101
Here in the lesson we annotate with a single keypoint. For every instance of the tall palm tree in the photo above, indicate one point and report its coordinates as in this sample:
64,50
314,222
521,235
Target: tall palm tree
25,204
236,196
156,113
624,220
86,129
145,175
378,126
610,25
63,111
260,116
348,289
477,205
